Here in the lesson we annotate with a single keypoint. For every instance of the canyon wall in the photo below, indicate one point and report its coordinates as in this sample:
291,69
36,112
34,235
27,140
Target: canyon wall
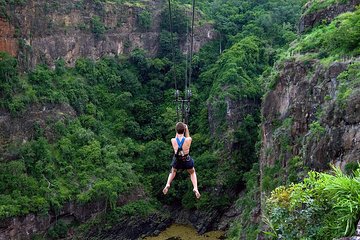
45,31
311,115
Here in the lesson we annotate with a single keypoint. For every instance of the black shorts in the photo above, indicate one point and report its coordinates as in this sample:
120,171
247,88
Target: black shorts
178,164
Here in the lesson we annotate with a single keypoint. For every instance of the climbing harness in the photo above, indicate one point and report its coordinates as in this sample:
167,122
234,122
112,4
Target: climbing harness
183,102
180,144
180,155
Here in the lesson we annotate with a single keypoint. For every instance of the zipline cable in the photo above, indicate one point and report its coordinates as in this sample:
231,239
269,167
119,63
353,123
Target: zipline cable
187,54
185,103
192,40
188,93
173,59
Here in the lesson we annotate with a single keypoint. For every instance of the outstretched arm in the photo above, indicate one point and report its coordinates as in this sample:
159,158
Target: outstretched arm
187,133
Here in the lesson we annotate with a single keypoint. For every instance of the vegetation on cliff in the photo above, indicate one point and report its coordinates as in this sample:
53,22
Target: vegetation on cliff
341,38
119,138
322,206
316,5
125,114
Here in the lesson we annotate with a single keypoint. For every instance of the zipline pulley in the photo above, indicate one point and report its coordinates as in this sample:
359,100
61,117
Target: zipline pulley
183,106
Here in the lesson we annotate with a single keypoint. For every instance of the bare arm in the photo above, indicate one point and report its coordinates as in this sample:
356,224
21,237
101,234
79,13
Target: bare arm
188,140
174,144
187,133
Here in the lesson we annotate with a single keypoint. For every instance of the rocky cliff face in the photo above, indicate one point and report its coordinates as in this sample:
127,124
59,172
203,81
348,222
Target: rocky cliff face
312,115
304,117
50,30
7,41
136,227
307,21
26,227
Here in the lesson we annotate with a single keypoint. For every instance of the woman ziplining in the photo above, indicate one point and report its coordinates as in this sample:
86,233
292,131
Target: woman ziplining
181,159
182,141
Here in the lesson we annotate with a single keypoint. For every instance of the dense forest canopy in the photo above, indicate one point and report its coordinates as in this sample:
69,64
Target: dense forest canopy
125,111
118,138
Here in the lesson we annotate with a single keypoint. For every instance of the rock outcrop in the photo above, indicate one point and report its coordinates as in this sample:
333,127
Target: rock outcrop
303,118
131,228
135,227
50,30
309,20
26,226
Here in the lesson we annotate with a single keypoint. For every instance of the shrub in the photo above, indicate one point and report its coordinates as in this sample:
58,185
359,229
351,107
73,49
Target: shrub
351,167
323,206
144,20
340,38
317,5
180,21
97,26
316,129
349,81
8,68
59,230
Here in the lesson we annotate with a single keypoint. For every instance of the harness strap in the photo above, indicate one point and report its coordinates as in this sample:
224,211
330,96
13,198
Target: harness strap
180,143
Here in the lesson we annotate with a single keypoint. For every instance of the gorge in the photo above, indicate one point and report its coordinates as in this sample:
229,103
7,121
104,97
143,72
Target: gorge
87,112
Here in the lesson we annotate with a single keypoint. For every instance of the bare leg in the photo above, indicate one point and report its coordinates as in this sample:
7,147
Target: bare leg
194,182
170,178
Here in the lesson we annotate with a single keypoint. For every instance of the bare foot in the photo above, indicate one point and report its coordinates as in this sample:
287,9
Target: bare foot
197,194
166,189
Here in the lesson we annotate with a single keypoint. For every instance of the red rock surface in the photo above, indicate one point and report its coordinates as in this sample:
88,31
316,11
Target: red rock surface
7,41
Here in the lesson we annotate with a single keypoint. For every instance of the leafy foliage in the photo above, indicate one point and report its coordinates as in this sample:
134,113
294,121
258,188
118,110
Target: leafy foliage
322,206
97,26
349,81
5,4
316,5
144,20
237,68
179,21
247,203
125,116
270,20
9,81
340,38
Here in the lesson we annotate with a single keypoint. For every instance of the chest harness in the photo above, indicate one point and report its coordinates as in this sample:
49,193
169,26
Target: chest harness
179,155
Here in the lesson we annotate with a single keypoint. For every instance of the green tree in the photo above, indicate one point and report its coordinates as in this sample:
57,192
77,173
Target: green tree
144,20
97,26
168,47
180,21
8,68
